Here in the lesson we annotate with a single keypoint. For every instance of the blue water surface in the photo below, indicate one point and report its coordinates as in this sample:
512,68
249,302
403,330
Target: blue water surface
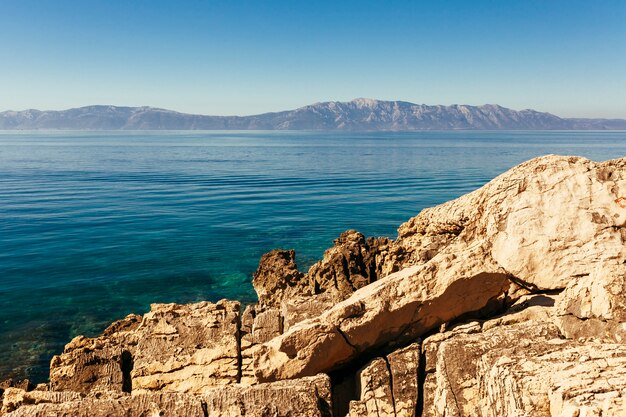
97,225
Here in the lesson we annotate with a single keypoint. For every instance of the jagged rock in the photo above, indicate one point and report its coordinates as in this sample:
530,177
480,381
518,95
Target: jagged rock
183,348
277,278
349,265
306,397
23,384
95,364
398,308
595,305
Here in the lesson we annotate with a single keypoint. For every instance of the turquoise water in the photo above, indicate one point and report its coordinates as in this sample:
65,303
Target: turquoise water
94,226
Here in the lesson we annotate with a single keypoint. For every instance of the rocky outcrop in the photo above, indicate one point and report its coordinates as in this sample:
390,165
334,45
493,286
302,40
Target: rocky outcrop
397,309
350,264
278,279
547,221
508,301
180,348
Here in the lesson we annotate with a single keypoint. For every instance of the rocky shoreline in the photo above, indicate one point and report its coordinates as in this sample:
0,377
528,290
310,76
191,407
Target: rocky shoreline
508,301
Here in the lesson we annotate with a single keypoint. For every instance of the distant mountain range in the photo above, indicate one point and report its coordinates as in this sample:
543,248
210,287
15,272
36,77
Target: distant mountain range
359,114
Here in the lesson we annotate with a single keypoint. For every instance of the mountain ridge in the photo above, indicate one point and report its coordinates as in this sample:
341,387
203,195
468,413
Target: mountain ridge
360,114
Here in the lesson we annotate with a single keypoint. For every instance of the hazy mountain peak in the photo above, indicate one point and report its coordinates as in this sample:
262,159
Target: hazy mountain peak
365,102
358,114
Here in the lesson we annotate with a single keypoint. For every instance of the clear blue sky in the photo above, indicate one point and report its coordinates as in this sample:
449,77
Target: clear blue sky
245,57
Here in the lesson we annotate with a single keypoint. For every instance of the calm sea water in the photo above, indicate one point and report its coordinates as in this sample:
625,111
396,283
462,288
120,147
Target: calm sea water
94,226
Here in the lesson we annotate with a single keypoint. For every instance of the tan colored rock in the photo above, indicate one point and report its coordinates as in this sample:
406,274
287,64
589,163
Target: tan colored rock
404,366
518,364
187,348
554,378
451,379
374,385
297,309
267,325
15,398
118,404
277,278
430,349
301,397
95,364
183,348
400,307
357,409
457,376
546,221
595,305
350,264
389,386
307,397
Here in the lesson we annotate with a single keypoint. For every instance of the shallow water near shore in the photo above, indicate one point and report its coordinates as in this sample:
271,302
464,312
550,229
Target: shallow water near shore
97,225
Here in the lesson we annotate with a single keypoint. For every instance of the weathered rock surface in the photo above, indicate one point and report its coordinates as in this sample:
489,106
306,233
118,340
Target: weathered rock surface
396,309
389,386
555,378
277,278
547,221
508,301
595,305
307,397
350,264
520,364
182,348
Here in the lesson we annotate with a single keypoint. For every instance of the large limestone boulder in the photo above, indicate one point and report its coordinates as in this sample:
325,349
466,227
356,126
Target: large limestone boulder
547,221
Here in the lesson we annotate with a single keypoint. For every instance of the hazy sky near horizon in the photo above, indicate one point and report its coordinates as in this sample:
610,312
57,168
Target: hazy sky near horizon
218,57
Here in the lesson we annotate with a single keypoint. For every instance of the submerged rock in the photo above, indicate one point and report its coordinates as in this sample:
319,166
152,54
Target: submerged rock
508,301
